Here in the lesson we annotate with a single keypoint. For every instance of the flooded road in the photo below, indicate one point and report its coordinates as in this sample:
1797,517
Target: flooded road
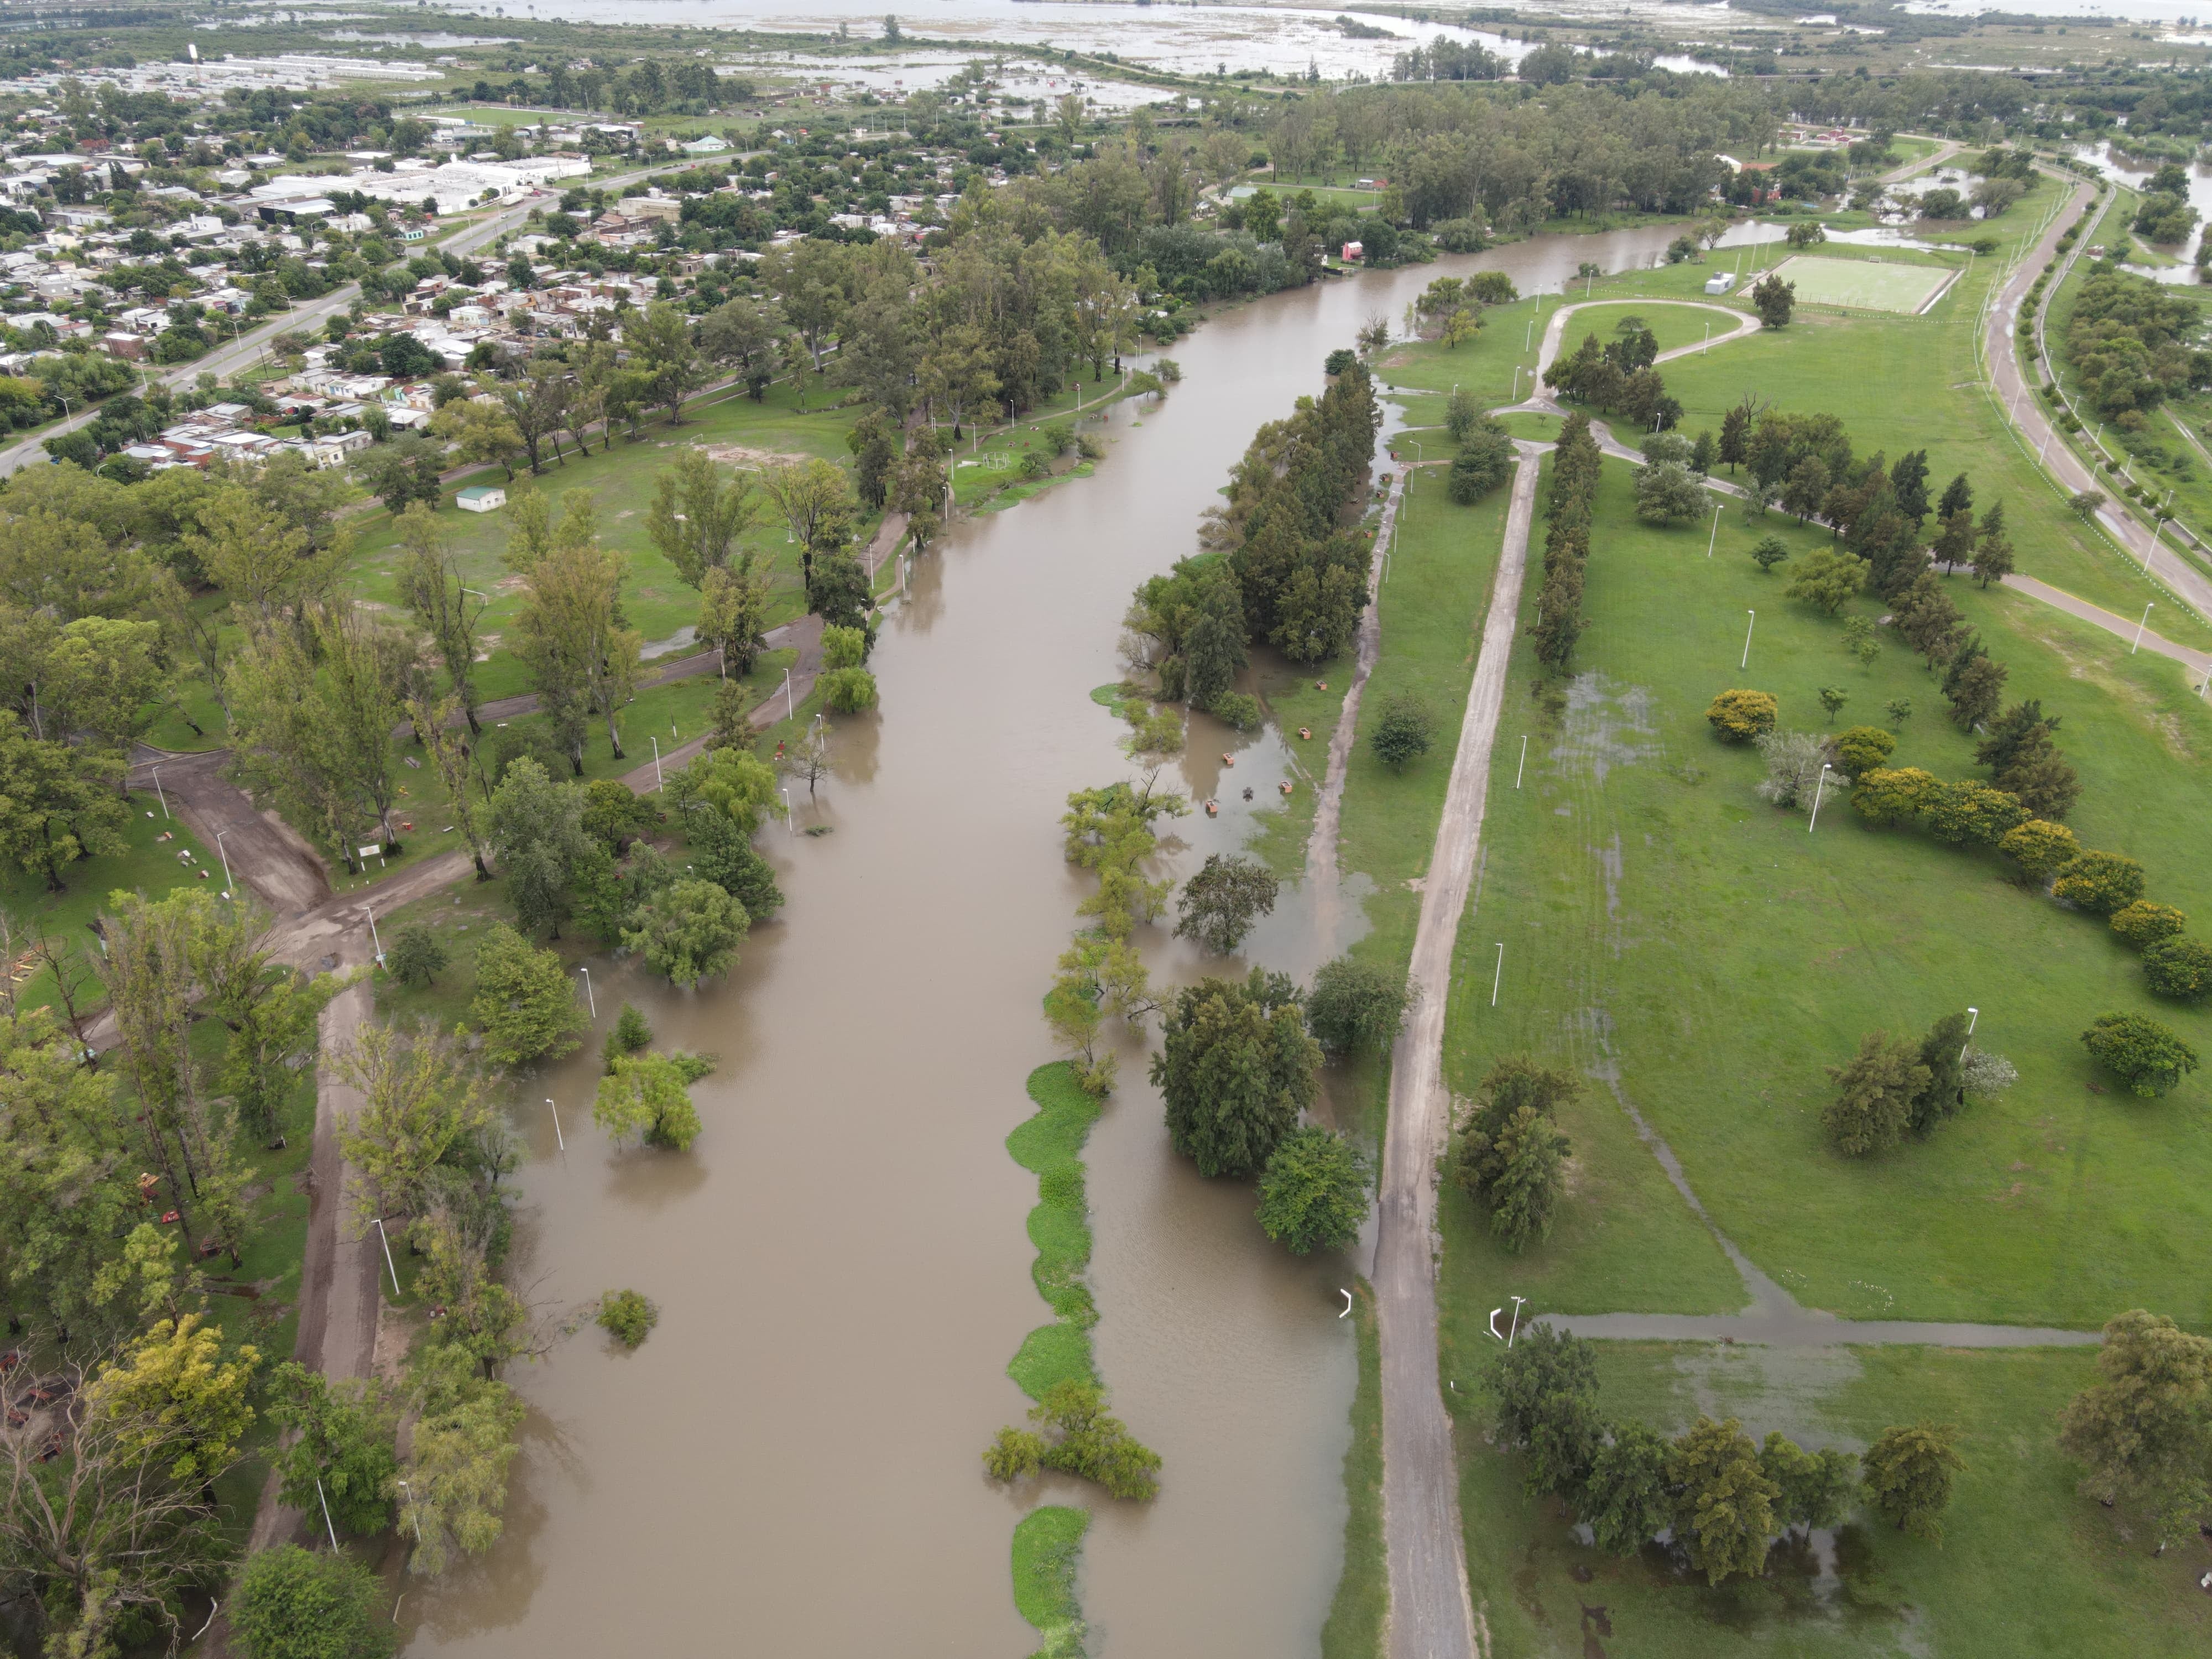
791,1464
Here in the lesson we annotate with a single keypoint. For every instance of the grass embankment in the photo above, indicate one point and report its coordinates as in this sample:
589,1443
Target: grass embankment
151,865
1906,383
1361,1611
1434,600
1660,919
1664,925
1050,1144
2025,1564
1047,1550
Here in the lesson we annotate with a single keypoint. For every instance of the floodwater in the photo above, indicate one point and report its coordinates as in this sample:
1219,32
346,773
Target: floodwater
790,1464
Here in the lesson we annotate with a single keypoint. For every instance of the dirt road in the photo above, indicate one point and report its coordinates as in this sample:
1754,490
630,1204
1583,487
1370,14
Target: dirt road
1431,1614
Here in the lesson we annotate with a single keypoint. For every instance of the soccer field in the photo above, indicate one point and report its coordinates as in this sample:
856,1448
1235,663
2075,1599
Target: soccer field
1862,285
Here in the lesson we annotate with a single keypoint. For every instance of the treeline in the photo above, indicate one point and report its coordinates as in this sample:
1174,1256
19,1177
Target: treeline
1283,566
2132,344
1616,376
1569,498
1720,1500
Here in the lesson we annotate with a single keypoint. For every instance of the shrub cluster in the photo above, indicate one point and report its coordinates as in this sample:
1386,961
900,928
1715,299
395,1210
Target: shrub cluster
1571,493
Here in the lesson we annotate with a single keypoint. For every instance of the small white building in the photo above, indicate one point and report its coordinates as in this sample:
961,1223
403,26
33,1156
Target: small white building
480,498
1720,283
709,145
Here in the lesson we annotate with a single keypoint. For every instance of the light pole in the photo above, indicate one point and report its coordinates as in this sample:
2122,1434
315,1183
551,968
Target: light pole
386,1238
1818,790
658,782
1714,536
1514,1329
2140,626
790,709
1498,976
375,943
225,857
1973,1018
1523,767
327,1527
160,792
787,823
589,995
559,1140
413,1515
1752,623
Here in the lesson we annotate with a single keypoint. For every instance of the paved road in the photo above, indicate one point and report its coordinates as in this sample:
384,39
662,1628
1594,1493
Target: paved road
1431,1614
1944,152
309,315
2171,569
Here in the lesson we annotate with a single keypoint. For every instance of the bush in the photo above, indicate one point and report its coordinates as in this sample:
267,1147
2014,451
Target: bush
2179,968
1238,709
2143,923
1035,464
627,1316
416,956
2150,1057
1484,462
1402,730
689,931
523,1004
849,690
1739,717
1313,1195
295,1604
1356,1005
2100,882
1862,748
2040,848
1895,794
630,1033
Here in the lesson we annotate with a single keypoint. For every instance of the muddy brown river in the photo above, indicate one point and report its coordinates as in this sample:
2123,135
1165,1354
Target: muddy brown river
790,1465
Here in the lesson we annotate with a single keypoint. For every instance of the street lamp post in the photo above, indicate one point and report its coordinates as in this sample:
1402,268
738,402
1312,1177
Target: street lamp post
1498,974
1973,1018
225,857
2140,626
559,1140
375,943
787,823
1523,767
1752,623
386,1238
160,792
1714,535
658,782
1514,1329
1818,790
589,995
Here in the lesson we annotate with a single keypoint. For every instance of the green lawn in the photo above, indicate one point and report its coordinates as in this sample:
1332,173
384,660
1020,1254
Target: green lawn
1904,383
621,482
2026,1565
151,865
1862,285
1663,923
